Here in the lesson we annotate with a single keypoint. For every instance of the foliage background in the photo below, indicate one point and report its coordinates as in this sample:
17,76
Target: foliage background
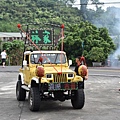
14,51
90,27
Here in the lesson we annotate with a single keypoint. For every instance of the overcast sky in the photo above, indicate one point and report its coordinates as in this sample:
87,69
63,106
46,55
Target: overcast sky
103,6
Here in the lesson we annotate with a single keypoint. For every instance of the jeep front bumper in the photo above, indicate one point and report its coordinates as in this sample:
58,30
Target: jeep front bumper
63,86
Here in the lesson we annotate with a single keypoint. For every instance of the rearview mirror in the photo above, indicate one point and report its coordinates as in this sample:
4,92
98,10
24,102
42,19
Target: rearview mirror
70,62
24,63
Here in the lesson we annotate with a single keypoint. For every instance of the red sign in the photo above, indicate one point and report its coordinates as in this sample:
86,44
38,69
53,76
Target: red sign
72,85
66,86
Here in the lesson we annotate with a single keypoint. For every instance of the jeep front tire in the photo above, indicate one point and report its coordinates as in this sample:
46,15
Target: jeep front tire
34,99
78,99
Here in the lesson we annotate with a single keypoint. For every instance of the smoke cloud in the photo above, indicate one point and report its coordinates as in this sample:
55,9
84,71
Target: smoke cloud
113,58
111,20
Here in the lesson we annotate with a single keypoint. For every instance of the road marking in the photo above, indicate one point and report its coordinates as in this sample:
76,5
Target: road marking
7,89
5,93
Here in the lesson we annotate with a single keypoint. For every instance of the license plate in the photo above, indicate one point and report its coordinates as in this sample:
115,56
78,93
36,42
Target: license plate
63,86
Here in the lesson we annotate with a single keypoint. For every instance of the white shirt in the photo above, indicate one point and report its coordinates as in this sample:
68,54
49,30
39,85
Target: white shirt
4,55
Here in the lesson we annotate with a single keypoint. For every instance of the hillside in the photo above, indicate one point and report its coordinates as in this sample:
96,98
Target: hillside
24,11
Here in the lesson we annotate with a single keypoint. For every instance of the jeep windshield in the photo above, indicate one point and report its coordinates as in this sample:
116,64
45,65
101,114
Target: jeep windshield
54,58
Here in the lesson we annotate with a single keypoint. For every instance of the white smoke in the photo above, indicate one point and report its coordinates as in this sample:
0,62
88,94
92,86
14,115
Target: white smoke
108,18
113,58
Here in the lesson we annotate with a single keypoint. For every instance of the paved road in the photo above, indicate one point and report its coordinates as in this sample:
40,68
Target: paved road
9,69
102,101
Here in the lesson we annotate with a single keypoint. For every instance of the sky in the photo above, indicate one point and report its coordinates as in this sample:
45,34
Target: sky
103,6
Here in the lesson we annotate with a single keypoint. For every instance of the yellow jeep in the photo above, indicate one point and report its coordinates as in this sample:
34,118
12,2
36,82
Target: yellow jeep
59,82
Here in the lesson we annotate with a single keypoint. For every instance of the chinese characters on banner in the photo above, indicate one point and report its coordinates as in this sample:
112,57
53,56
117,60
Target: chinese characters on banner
43,37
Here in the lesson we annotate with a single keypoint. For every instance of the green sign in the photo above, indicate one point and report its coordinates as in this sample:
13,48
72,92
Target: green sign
42,37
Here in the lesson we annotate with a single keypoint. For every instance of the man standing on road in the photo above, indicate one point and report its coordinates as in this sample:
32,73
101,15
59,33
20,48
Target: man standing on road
3,56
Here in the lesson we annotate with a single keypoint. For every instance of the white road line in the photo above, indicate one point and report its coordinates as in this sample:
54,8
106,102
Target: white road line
9,88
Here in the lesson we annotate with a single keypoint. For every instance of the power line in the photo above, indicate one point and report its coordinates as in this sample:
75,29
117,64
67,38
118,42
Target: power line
112,3
57,5
98,3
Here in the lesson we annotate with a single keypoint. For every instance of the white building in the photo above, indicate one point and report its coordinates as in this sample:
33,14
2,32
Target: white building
9,36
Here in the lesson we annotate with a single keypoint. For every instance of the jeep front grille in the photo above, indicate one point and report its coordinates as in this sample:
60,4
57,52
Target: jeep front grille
60,77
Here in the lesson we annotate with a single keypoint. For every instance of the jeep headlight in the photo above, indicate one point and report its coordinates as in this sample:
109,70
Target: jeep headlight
70,75
49,76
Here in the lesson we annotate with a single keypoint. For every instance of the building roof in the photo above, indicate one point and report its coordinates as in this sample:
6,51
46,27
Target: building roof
11,34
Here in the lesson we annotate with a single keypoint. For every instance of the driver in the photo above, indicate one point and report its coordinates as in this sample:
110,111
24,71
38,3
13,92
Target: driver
60,58
46,60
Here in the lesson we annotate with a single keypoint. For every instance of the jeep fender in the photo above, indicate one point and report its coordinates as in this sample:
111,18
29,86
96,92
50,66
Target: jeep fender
20,77
35,79
34,82
77,78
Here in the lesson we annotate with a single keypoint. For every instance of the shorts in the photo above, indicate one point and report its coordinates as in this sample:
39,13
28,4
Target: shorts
3,60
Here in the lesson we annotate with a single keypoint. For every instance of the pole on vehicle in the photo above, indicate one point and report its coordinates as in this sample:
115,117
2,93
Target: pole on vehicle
19,26
62,42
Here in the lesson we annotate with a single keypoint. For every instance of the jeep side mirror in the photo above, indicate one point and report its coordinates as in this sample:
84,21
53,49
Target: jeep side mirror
24,63
70,62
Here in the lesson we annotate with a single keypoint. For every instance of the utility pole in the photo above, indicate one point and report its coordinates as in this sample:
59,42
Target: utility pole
83,6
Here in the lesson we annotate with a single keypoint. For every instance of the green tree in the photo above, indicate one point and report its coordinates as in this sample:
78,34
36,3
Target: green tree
97,43
96,54
52,11
14,51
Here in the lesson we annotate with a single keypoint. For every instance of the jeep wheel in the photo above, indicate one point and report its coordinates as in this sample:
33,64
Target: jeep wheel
20,92
34,99
78,99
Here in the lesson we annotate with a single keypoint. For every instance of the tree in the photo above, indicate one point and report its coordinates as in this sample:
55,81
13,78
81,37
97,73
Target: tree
97,43
14,51
40,11
96,2
68,1
83,7
96,54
